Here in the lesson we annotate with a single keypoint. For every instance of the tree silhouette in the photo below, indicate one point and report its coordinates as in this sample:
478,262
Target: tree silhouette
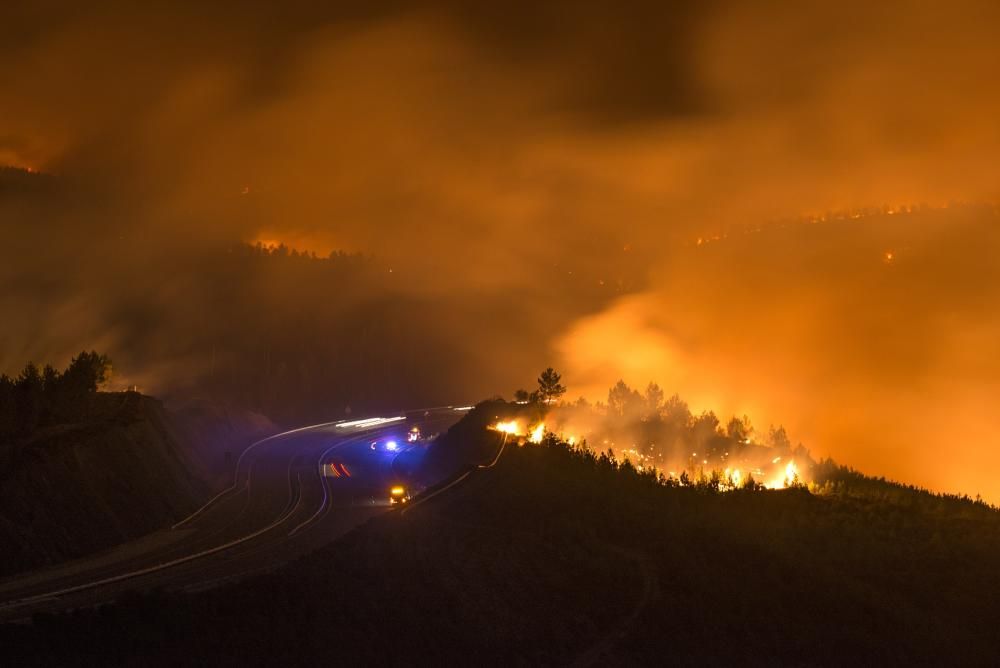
622,399
549,387
41,398
654,399
86,371
8,408
705,427
50,378
677,412
28,401
778,438
739,429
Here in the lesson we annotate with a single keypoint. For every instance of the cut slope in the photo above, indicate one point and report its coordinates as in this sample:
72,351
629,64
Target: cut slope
129,468
74,489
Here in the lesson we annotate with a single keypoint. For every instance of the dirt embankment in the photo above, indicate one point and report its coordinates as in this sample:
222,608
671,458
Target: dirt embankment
130,468
211,437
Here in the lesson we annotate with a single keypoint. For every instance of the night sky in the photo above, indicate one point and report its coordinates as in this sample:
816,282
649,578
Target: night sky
587,136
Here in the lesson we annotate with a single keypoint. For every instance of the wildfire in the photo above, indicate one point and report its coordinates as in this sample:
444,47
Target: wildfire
733,472
510,427
537,433
787,478
513,428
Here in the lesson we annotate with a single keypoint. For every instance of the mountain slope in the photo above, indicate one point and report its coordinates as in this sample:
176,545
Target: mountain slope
555,556
129,468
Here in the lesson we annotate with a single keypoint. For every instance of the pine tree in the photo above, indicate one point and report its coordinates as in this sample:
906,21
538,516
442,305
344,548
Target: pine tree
549,387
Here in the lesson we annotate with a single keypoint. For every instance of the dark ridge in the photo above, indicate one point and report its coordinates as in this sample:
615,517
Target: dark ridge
558,556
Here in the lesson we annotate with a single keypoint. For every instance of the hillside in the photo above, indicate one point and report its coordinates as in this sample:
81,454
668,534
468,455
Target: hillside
73,489
557,556
210,436
128,467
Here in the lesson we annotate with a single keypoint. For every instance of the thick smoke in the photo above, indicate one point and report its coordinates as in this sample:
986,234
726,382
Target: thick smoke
873,340
480,153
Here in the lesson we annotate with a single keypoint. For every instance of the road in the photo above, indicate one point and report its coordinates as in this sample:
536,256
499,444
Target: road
291,494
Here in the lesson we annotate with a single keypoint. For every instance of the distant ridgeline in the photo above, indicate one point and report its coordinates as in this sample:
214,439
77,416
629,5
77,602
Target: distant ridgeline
41,398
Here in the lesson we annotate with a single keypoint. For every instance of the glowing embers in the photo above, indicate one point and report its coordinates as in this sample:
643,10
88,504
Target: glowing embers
533,434
510,427
787,478
537,433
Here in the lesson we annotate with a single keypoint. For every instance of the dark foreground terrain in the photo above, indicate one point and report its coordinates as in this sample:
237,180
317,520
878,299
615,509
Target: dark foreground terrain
557,557
122,468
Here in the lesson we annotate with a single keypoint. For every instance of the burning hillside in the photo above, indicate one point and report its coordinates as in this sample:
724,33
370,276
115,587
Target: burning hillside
652,433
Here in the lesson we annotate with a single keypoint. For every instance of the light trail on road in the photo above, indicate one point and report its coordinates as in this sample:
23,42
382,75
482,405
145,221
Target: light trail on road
236,531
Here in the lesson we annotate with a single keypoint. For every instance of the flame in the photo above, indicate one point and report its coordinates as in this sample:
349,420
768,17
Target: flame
537,433
733,472
510,427
732,478
301,243
786,479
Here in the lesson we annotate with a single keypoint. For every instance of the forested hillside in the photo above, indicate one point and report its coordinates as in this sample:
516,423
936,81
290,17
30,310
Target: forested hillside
558,555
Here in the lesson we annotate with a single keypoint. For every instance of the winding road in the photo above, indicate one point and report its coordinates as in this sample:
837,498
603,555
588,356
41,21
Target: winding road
291,494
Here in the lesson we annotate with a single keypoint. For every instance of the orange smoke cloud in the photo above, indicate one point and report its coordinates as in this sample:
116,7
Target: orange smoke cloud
549,158
887,366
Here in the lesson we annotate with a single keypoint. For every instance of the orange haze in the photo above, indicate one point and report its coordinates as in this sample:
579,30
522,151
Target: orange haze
551,164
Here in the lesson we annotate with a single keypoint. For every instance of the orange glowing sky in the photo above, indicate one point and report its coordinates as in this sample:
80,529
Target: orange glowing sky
473,150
